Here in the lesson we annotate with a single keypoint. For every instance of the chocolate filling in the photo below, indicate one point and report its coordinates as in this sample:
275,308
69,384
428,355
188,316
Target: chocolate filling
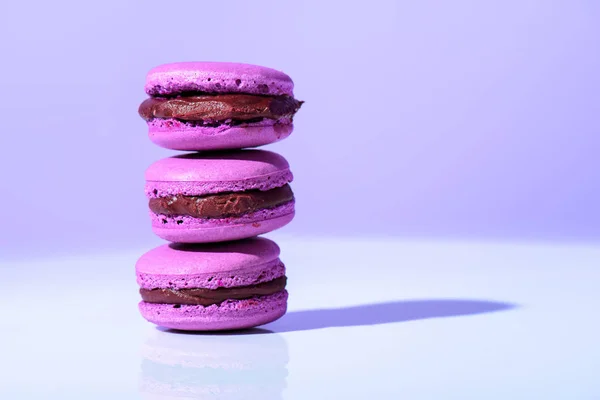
222,205
220,107
207,297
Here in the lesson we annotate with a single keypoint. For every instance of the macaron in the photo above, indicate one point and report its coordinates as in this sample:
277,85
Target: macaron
252,366
215,197
216,286
217,105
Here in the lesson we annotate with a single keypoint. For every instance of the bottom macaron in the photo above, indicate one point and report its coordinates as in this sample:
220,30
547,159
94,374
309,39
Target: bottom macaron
229,315
212,286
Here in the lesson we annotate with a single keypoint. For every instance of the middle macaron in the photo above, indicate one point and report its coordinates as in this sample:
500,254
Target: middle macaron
215,197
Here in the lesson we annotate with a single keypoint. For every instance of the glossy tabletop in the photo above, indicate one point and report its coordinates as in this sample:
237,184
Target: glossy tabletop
367,319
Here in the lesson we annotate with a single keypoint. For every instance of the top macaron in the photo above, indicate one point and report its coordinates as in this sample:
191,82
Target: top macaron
217,105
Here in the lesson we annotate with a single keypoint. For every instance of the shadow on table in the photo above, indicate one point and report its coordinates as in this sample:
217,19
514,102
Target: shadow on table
368,314
383,313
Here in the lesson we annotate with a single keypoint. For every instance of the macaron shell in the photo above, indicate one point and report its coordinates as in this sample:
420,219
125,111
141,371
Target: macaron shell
229,315
179,136
178,259
205,231
217,77
197,174
211,266
215,167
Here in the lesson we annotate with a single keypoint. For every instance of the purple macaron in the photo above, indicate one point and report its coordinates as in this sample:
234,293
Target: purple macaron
216,197
217,105
208,287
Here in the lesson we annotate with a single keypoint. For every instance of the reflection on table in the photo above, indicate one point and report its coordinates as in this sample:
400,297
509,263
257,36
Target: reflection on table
214,366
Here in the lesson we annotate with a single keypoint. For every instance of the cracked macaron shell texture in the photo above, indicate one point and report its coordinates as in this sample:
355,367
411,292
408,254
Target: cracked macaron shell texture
210,266
229,315
217,77
222,230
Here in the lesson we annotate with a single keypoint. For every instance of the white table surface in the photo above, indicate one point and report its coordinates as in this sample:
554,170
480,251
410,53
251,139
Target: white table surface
367,319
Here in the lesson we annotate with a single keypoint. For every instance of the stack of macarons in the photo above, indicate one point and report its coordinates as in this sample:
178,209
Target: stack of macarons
213,202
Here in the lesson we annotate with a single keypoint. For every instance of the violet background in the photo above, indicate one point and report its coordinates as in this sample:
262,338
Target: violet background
462,119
